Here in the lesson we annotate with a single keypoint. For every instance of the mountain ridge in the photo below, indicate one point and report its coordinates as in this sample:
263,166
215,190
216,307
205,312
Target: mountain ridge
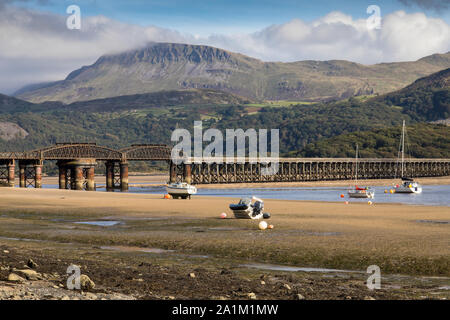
168,66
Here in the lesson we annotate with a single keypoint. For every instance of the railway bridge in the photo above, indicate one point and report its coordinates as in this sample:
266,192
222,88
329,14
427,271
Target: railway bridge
77,163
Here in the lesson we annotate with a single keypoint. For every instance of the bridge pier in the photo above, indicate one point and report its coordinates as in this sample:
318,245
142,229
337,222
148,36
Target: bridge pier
124,176
172,172
77,174
187,177
90,179
22,175
109,168
11,166
62,176
38,174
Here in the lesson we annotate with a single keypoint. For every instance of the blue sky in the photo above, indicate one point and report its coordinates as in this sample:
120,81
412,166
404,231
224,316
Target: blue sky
204,17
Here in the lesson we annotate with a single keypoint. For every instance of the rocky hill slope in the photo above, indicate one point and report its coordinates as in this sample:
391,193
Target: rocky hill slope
168,66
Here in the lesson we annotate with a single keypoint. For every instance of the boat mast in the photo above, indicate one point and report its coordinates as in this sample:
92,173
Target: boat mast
356,176
403,146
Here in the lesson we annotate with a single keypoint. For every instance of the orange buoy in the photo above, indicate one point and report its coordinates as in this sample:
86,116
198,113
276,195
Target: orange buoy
167,196
342,195
270,226
223,215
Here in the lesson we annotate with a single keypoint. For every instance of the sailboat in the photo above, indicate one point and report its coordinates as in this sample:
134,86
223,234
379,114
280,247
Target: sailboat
408,185
360,192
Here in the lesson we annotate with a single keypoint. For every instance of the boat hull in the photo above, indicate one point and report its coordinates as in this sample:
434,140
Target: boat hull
242,211
408,190
360,195
181,192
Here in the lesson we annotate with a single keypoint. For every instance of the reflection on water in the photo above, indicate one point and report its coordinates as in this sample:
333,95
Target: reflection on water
135,249
291,269
432,195
99,223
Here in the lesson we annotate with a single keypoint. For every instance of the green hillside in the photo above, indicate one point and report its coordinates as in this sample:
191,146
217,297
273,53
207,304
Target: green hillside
424,141
426,99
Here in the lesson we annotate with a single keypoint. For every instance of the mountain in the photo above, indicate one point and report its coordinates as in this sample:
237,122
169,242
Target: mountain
169,66
426,99
423,141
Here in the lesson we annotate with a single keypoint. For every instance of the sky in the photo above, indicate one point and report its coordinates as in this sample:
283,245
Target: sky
36,45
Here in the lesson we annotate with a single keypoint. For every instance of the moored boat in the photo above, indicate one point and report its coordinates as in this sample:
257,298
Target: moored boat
408,185
245,209
181,190
364,192
360,192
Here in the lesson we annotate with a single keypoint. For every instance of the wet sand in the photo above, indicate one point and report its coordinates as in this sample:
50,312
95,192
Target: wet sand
176,235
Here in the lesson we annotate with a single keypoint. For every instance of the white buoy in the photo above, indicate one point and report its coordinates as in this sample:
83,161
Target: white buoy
262,225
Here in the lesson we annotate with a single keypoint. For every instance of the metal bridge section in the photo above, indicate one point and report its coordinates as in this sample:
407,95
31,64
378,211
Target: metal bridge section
145,152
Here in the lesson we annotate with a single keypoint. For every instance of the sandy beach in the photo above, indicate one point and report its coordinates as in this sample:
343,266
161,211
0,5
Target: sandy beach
411,241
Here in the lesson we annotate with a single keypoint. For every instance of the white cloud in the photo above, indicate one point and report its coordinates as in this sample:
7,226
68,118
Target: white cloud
37,46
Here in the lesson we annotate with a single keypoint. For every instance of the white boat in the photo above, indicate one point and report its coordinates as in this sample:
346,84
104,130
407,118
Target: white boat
365,193
408,184
360,192
245,209
181,190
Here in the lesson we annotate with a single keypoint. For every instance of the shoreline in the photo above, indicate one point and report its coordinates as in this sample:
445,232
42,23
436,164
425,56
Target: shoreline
157,180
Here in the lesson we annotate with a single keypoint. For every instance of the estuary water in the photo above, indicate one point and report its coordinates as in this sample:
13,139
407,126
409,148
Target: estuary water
432,195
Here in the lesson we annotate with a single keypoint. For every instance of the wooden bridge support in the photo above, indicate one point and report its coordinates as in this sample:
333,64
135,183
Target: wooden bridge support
291,170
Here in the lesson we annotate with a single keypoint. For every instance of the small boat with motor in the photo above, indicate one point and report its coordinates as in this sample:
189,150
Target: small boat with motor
249,208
